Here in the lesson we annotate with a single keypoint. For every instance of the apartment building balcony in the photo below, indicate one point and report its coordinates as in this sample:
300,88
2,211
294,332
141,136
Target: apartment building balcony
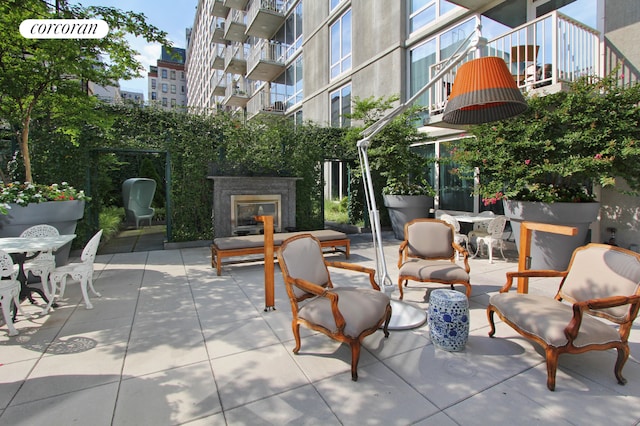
218,31
235,58
217,61
235,4
219,9
219,85
236,94
544,55
265,102
264,18
235,27
266,61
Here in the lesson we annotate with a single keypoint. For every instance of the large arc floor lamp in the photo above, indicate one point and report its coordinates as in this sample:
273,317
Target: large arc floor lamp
483,91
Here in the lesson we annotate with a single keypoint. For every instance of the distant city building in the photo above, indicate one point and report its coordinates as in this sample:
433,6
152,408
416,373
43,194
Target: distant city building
136,97
109,94
167,84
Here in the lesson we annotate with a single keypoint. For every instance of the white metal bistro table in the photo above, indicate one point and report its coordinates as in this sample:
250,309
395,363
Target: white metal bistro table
23,249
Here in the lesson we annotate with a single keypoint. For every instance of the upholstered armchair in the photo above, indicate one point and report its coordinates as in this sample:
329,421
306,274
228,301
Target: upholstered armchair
345,314
428,254
601,281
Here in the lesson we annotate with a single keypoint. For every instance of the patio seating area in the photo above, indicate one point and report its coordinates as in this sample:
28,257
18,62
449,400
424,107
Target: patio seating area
170,342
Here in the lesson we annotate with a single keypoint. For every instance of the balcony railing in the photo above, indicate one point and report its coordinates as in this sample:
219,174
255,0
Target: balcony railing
236,93
236,26
265,61
265,102
544,53
235,58
264,17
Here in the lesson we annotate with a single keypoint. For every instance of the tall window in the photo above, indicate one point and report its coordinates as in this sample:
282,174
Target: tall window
422,57
423,12
333,4
173,74
287,87
164,73
340,45
340,101
291,32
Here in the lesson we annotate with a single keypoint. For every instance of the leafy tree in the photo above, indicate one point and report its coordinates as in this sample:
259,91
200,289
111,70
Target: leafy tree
51,75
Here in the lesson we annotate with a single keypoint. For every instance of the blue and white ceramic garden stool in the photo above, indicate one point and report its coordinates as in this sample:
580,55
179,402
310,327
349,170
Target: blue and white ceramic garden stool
448,317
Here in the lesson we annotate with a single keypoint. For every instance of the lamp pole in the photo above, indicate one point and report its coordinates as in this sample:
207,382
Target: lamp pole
404,315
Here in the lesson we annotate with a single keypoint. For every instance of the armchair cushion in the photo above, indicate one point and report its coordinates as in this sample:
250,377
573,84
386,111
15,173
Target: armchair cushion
547,319
436,270
360,308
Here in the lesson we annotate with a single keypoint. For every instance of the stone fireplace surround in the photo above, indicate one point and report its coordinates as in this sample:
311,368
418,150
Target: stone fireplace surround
226,186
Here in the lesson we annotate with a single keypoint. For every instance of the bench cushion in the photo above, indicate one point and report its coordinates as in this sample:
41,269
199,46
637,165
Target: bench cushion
251,241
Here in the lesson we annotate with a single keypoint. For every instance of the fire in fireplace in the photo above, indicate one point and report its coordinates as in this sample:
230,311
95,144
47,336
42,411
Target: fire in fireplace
245,207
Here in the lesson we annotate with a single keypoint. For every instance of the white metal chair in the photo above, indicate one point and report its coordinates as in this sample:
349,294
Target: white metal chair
491,237
459,238
82,271
9,290
45,262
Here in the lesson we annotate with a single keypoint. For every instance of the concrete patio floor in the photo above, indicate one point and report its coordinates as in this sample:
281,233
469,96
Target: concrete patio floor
169,342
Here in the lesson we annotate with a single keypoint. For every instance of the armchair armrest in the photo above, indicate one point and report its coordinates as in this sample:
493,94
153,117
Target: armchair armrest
531,273
401,252
457,247
326,293
357,268
571,331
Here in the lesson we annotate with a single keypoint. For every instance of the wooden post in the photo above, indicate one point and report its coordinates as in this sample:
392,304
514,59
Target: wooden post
269,293
526,232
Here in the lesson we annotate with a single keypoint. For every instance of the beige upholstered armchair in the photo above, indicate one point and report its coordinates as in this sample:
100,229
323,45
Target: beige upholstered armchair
428,254
601,281
346,314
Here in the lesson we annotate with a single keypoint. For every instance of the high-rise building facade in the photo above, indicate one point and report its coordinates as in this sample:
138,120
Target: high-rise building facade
308,59
167,82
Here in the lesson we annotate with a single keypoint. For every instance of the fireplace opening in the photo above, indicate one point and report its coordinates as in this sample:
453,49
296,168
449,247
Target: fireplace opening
245,207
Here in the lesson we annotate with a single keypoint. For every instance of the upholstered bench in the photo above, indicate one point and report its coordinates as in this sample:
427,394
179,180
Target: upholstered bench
254,244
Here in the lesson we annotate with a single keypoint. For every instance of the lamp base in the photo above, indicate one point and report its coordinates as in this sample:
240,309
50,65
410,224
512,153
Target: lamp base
405,316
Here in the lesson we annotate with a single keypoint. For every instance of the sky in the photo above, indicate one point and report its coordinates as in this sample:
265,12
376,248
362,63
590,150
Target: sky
171,16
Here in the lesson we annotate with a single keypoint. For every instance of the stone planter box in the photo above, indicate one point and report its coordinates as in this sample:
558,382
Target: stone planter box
405,208
552,251
63,215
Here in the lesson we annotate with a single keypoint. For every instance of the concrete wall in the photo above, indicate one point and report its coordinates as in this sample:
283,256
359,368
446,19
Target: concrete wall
621,28
377,55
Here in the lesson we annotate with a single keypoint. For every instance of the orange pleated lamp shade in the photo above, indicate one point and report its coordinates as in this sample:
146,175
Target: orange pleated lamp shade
483,91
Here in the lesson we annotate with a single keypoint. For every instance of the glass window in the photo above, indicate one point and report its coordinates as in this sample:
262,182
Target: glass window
340,44
421,57
291,32
452,39
173,88
334,4
165,87
164,101
154,96
164,73
423,12
173,74
153,83
340,104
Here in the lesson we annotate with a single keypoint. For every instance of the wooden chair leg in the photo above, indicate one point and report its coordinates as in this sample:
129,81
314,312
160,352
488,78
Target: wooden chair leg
623,355
296,334
400,287
552,366
355,357
492,324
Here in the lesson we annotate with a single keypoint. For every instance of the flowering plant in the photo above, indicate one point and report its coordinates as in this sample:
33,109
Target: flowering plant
562,145
27,193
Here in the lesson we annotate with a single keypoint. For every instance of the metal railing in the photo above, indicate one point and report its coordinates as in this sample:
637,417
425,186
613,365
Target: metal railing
266,50
549,50
257,5
265,101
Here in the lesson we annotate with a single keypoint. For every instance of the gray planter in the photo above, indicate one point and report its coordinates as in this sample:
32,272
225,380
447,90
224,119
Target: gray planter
63,215
404,208
552,251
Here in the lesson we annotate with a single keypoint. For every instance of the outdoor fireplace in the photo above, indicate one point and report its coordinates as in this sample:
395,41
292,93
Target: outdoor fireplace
244,208
238,199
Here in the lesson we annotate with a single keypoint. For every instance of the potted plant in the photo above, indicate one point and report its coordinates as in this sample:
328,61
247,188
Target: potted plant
23,205
544,164
406,192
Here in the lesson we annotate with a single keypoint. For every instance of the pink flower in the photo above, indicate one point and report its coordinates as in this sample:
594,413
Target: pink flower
527,162
598,156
